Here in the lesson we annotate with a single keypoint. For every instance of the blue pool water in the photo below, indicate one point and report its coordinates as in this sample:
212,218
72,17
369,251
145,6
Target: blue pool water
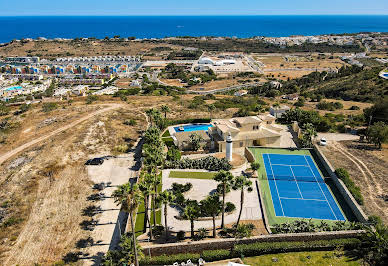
193,127
385,75
14,88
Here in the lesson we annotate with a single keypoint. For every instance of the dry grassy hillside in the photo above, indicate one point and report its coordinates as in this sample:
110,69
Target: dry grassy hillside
53,49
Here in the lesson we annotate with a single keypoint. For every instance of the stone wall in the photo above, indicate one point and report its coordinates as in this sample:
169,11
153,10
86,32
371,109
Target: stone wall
248,154
351,202
199,246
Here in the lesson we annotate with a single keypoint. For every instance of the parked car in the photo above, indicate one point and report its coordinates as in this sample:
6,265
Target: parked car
323,142
95,161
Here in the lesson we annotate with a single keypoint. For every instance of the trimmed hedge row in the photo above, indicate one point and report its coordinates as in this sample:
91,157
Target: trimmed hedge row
355,190
254,249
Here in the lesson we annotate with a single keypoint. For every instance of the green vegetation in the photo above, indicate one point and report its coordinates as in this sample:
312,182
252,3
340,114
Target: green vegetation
4,110
259,46
254,249
207,163
331,106
48,107
184,55
91,98
364,86
354,190
378,133
304,225
317,258
192,175
195,141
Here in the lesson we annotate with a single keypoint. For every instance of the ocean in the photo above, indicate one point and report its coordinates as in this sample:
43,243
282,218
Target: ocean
167,26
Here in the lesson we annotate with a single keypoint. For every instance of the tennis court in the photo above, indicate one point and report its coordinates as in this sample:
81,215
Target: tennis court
298,189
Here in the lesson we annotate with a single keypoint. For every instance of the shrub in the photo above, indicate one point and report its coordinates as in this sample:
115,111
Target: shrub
259,248
354,107
170,259
216,255
255,166
208,163
130,122
354,190
48,107
123,148
180,235
91,98
229,207
173,154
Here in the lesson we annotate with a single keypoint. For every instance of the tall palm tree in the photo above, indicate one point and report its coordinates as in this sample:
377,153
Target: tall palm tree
165,109
241,183
166,197
192,212
226,180
212,206
128,196
145,187
149,113
155,183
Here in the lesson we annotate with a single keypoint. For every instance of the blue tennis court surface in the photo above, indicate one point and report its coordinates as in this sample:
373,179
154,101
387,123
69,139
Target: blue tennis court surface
298,189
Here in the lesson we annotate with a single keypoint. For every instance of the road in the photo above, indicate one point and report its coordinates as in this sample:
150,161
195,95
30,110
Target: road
235,87
8,155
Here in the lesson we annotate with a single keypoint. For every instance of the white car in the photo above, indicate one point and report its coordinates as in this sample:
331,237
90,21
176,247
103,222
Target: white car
323,142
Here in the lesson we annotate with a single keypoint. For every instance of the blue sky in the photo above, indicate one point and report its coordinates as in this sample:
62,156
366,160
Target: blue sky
191,7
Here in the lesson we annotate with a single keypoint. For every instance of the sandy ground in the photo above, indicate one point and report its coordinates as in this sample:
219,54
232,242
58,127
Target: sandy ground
367,170
114,172
201,189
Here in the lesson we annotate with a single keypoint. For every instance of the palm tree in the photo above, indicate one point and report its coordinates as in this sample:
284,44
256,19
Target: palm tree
225,179
192,212
129,197
150,113
165,109
212,206
166,197
145,187
241,183
155,183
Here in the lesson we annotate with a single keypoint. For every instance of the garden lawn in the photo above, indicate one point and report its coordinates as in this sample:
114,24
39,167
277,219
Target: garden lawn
192,175
166,134
264,185
303,258
139,222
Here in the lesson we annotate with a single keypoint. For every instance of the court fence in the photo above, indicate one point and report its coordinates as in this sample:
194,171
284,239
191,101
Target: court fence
349,199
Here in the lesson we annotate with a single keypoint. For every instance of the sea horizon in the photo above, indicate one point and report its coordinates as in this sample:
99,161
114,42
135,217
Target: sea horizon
161,26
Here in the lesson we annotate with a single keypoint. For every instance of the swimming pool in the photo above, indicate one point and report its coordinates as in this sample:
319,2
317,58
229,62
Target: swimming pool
385,75
14,88
188,128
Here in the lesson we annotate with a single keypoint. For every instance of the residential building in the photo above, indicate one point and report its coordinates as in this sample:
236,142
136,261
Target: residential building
278,111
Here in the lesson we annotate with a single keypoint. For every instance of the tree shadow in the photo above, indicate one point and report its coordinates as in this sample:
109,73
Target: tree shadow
91,210
97,197
88,225
85,242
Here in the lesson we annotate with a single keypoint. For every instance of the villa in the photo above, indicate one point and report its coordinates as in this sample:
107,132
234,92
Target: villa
259,130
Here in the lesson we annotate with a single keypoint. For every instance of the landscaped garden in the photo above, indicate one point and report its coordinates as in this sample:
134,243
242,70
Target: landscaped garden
192,175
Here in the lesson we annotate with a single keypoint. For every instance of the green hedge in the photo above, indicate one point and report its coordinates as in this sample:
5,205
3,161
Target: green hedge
259,248
170,259
254,249
355,190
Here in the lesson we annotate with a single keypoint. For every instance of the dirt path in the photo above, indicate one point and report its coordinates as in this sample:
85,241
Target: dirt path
374,188
31,143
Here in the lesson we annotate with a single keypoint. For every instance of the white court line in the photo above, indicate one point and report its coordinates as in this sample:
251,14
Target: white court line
300,192
269,160
303,199
291,165
321,189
